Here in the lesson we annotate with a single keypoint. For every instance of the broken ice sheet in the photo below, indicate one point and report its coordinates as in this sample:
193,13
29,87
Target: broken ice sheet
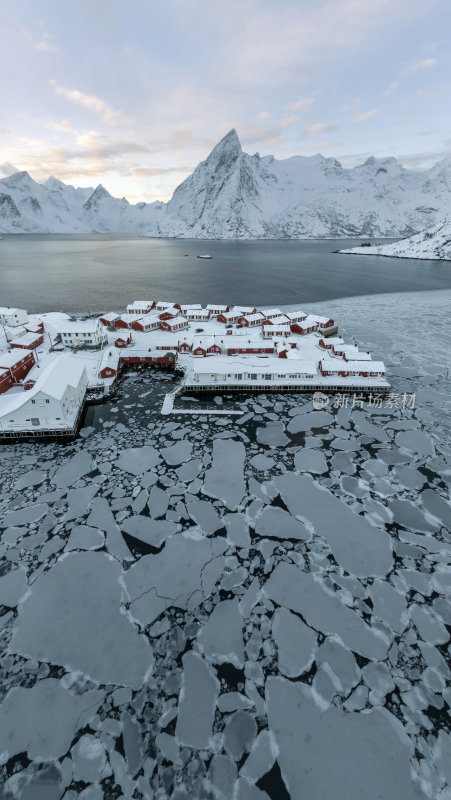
196,703
361,548
224,479
332,754
175,576
221,638
290,587
296,643
42,721
72,617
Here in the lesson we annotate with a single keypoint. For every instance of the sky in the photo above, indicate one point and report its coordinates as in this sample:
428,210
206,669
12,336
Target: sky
134,93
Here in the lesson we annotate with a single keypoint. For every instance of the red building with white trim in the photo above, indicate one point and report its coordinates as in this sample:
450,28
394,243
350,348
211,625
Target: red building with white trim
29,341
6,380
18,362
174,325
149,322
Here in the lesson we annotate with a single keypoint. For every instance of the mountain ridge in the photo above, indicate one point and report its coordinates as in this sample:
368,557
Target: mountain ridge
234,195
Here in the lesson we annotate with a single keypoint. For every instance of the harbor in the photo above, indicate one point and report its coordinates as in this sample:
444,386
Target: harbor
52,365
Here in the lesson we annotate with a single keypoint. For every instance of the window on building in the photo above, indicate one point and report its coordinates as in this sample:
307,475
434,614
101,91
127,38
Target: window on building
34,402
47,401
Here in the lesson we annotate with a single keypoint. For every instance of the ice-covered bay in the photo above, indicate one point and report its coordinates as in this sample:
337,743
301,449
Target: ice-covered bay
250,608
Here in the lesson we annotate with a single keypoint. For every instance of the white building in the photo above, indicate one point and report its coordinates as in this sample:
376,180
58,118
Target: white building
53,403
13,316
229,371
88,333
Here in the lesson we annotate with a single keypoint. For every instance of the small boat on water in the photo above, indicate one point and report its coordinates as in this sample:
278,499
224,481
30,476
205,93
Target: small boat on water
205,256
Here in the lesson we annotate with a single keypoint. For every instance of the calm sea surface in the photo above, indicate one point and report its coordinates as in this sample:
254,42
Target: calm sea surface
90,274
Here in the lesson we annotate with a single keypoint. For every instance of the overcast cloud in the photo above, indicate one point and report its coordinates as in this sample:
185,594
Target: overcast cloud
133,93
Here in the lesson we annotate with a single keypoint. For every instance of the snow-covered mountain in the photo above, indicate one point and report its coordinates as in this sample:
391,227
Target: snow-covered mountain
433,243
55,207
236,195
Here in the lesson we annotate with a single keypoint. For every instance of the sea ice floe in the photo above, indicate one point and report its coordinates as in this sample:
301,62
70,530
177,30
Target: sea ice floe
224,479
222,775
221,638
367,755
204,515
197,703
237,529
24,516
359,547
89,759
102,517
240,731
32,478
288,586
137,460
79,501
437,505
406,514
272,435
232,701
275,522
261,463
177,453
388,604
261,757
71,471
244,790
177,576
158,502
296,643
430,628
310,419
13,587
42,721
308,460
416,442
148,530
72,617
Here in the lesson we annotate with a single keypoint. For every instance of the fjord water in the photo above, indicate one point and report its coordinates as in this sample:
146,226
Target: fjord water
89,274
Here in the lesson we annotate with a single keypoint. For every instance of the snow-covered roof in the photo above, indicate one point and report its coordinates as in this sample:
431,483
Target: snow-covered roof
140,304
309,321
111,316
8,311
213,307
79,326
110,358
354,353
295,314
62,372
321,320
333,340
11,358
242,310
270,366
191,307
271,330
271,312
252,317
26,340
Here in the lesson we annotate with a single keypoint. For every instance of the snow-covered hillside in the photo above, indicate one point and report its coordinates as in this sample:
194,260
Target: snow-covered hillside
235,195
55,207
433,243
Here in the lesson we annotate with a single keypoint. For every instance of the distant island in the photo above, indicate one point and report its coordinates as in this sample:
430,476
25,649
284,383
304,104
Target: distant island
433,243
